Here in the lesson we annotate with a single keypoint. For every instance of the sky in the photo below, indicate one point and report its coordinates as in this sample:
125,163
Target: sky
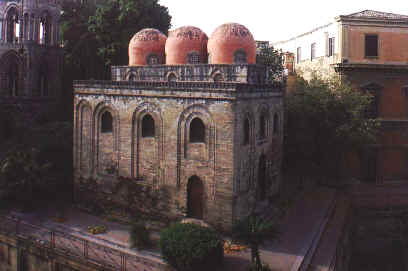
271,20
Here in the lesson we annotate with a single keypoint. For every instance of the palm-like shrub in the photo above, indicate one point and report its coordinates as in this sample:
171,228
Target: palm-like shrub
254,231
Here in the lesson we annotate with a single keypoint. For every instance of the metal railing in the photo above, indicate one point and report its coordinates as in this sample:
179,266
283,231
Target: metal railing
78,247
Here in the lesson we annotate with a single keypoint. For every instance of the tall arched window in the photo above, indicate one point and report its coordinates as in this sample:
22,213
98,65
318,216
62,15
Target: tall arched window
246,131
12,26
106,122
197,131
275,124
43,84
240,57
148,126
45,29
263,126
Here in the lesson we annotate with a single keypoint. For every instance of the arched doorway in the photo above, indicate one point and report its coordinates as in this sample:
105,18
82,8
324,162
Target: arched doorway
195,195
262,178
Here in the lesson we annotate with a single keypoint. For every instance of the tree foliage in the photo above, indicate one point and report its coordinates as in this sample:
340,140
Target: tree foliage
326,122
38,165
272,59
116,21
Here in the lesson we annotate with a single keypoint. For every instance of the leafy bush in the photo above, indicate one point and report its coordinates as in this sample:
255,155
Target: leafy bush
139,236
191,247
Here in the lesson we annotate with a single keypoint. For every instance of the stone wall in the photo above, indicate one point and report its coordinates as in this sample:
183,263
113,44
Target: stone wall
164,163
244,73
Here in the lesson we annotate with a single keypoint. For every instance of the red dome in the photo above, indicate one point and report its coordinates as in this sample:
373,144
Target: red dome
231,43
147,47
186,45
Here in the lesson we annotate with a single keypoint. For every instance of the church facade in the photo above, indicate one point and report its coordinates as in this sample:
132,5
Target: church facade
30,61
192,120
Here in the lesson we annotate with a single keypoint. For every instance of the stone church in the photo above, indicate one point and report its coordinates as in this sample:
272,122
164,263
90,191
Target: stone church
190,115
30,61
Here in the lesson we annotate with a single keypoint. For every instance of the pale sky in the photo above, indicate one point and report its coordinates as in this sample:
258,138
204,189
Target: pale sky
271,20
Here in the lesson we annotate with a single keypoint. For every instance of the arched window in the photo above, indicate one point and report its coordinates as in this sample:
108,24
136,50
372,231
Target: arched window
197,131
12,26
262,126
218,77
152,59
246,131
148,126
43,85
132,77
106,122
12,79
45,30
193,58
172,77
240,57
275,124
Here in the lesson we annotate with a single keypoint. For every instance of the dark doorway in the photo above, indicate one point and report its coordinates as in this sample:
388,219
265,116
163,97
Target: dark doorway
195,192
262,178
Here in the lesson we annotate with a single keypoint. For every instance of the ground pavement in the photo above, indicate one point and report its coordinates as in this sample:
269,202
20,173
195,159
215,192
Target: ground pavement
300,233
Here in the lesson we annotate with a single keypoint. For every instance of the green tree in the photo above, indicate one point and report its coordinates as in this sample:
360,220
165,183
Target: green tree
80,44
271,58
326,122
116,21
39,166
254,231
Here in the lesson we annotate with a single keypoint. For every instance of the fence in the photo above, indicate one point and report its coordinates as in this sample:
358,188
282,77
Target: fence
78,247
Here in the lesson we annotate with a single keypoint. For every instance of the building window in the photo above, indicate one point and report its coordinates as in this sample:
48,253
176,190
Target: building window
152,59
246,131
148,126
43,85
12,80
218,77
240,57
313,51
12,26
106,122
132,77
371,45
275,124
374,90
298,54
193,58
197,131
172,77
331,46
262,126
